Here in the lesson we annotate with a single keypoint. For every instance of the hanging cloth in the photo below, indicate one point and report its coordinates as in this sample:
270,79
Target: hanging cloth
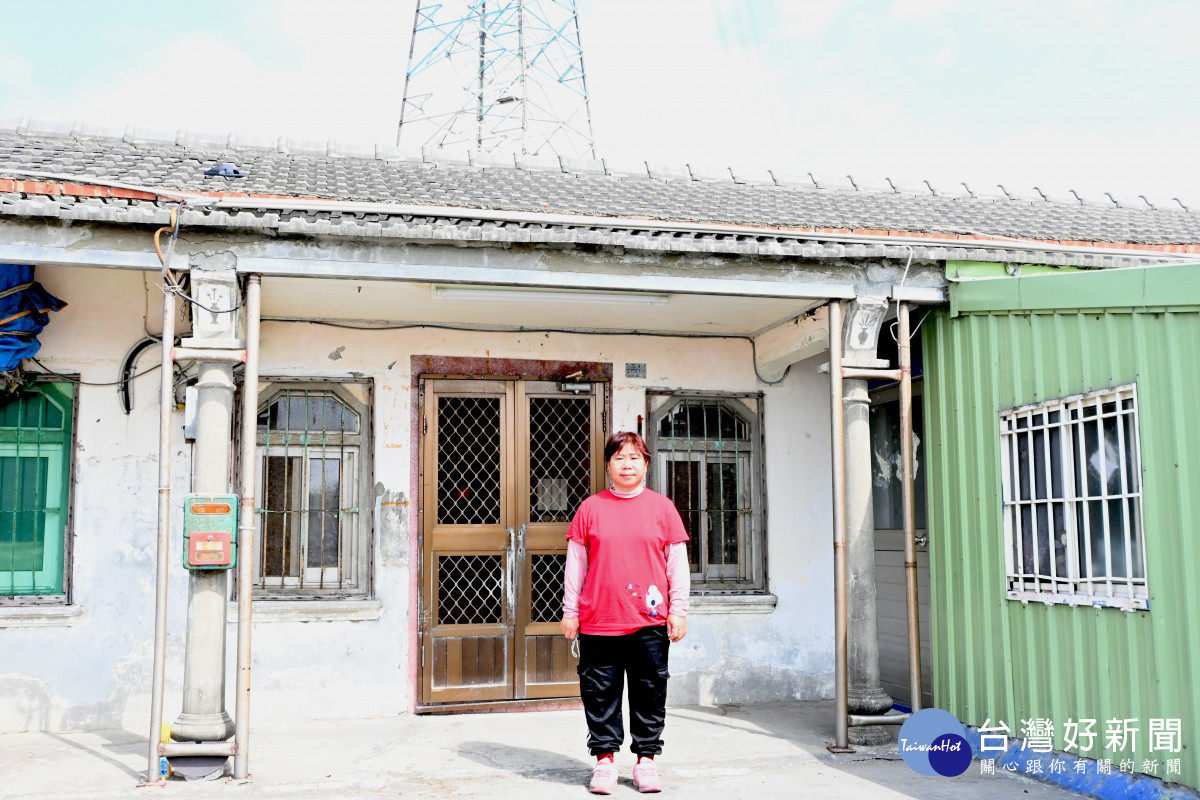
24,307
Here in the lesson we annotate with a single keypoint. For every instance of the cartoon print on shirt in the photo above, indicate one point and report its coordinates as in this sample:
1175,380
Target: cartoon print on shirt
653,600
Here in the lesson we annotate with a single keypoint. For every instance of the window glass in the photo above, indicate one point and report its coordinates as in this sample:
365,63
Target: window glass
311,532
1072,500
707,459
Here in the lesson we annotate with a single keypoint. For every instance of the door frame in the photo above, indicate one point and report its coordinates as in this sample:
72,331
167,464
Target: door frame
426,367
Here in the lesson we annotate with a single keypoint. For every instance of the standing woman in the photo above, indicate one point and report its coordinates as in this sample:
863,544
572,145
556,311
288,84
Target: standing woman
625,599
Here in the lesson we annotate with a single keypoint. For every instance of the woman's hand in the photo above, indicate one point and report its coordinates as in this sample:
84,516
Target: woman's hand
676,627
570,627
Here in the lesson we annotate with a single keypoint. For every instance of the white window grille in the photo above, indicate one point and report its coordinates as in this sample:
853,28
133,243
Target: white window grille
311,534
707,454
1073,500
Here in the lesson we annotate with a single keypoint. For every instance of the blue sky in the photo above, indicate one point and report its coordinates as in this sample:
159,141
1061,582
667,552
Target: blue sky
1094,95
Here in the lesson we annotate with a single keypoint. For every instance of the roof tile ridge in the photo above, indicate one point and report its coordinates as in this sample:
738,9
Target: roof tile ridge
692,173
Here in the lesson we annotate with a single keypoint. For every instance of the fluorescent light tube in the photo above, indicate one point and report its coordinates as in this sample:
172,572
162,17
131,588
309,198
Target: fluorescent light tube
519,295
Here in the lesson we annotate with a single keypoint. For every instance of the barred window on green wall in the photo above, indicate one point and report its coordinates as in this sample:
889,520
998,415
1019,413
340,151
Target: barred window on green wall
35,470
311,531
707,457
1073,500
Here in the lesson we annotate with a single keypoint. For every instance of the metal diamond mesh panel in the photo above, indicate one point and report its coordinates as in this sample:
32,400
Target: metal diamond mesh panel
546,587
560,463
470,590
468,460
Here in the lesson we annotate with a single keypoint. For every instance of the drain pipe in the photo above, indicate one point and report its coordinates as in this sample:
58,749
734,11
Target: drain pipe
165,404
841,679
909,509
245,574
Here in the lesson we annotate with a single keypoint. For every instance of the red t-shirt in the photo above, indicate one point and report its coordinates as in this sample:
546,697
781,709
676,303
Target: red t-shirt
626,539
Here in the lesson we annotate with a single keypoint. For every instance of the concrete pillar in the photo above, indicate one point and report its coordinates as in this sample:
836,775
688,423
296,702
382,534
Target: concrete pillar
865,692
204,718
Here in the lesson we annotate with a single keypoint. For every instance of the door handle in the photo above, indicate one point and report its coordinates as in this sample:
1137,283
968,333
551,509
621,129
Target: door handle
522,529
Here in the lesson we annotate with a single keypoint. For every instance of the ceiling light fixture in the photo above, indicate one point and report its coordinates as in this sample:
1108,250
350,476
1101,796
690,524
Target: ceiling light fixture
519,295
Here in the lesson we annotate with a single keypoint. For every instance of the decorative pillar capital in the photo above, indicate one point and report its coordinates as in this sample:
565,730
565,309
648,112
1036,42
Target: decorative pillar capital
860,332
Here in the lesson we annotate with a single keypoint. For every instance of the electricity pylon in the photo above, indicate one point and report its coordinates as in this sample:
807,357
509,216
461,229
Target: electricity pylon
497,75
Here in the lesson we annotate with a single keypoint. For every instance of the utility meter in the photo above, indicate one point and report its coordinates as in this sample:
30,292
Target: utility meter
209,531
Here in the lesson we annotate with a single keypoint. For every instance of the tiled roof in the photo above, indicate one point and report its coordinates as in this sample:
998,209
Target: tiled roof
558,187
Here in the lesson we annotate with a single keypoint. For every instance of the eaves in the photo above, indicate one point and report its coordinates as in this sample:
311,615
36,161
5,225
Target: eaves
465,226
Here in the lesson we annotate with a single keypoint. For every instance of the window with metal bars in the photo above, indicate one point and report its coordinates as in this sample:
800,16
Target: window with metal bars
35,469
1073,500
707,453
311,531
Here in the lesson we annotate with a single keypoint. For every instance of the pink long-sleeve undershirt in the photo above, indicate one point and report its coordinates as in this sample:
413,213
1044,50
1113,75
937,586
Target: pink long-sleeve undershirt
679,578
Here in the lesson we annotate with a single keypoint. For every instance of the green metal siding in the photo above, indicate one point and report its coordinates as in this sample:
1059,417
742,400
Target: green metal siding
996,658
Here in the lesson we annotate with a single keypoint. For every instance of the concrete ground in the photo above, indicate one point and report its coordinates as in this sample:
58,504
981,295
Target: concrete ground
761,751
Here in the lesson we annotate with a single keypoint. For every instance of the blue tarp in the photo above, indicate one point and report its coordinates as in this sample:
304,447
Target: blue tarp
23,314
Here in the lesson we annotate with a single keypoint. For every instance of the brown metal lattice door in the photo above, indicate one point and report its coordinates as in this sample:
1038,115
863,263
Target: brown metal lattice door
504,466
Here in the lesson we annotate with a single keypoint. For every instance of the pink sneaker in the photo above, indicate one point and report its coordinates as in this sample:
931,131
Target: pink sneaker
645,776
604,777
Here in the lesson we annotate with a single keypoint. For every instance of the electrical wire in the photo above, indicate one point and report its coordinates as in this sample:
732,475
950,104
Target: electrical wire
49,371
175,290
522,329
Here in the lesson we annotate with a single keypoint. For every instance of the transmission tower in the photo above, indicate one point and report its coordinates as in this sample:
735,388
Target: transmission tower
497,76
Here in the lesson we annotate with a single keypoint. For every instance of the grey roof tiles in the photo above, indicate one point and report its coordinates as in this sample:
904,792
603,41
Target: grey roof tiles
157,160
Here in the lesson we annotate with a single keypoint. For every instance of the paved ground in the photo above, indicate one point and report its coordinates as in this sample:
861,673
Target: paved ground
760,751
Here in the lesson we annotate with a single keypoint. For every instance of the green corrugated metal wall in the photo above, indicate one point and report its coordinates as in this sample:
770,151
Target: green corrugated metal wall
996,658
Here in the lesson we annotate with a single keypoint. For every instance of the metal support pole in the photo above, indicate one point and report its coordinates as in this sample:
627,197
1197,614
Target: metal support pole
165,405
841,678
245,546
910,526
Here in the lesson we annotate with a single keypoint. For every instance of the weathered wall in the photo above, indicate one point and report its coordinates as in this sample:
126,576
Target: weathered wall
92,669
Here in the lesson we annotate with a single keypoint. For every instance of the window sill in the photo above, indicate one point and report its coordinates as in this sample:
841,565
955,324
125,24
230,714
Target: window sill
311,611
1079,600
39,616
732,604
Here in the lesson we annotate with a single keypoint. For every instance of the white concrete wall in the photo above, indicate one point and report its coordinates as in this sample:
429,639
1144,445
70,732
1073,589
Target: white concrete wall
93,669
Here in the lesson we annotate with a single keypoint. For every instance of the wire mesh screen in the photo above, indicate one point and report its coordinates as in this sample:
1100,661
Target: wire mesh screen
546,586
470,590
560,460
468,480
705,451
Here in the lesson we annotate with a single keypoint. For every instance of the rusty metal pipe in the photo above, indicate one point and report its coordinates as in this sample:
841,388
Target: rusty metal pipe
165,406
909,508
841,677
245,546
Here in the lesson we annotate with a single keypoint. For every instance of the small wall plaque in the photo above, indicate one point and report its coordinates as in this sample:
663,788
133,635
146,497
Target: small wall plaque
635,370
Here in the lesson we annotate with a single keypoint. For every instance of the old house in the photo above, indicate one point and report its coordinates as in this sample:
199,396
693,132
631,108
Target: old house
444,346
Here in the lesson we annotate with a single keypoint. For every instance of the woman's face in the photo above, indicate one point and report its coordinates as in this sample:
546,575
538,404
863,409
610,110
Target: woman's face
627,469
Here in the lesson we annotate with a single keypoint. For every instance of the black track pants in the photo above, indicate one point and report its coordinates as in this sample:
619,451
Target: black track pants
604,661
